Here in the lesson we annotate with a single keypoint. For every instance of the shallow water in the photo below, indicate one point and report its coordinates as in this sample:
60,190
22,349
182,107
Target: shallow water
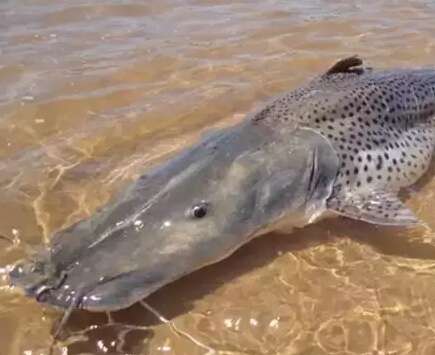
93,94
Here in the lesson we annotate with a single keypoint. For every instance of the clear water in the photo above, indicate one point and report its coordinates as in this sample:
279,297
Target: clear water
93,93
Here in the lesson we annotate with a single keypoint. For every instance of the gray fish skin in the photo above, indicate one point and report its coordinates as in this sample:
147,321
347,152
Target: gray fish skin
250,176
346,143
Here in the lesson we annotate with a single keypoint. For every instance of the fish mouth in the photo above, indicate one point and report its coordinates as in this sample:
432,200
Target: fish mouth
63,291
36,278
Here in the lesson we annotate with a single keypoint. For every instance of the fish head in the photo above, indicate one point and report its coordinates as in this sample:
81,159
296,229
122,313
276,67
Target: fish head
190,212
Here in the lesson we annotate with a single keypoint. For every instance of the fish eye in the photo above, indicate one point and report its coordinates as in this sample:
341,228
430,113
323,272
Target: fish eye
199,211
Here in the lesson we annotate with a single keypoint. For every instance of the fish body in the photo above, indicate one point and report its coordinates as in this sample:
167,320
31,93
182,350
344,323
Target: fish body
346,143
380,123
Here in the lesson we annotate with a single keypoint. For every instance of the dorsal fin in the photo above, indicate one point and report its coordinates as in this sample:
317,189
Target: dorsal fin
346,65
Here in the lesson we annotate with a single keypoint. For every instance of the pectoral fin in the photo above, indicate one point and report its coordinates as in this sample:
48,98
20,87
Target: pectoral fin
377,207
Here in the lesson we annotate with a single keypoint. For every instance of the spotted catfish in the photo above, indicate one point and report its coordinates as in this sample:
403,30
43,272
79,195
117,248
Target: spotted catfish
346,143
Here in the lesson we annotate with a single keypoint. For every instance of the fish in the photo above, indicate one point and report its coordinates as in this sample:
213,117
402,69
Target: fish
343,144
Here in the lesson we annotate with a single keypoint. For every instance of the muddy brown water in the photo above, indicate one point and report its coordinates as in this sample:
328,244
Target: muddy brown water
93,93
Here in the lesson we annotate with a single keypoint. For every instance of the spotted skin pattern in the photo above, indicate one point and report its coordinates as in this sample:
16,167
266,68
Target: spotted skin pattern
380,123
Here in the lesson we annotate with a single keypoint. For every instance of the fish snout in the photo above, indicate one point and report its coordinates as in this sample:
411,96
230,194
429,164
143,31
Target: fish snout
38,279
